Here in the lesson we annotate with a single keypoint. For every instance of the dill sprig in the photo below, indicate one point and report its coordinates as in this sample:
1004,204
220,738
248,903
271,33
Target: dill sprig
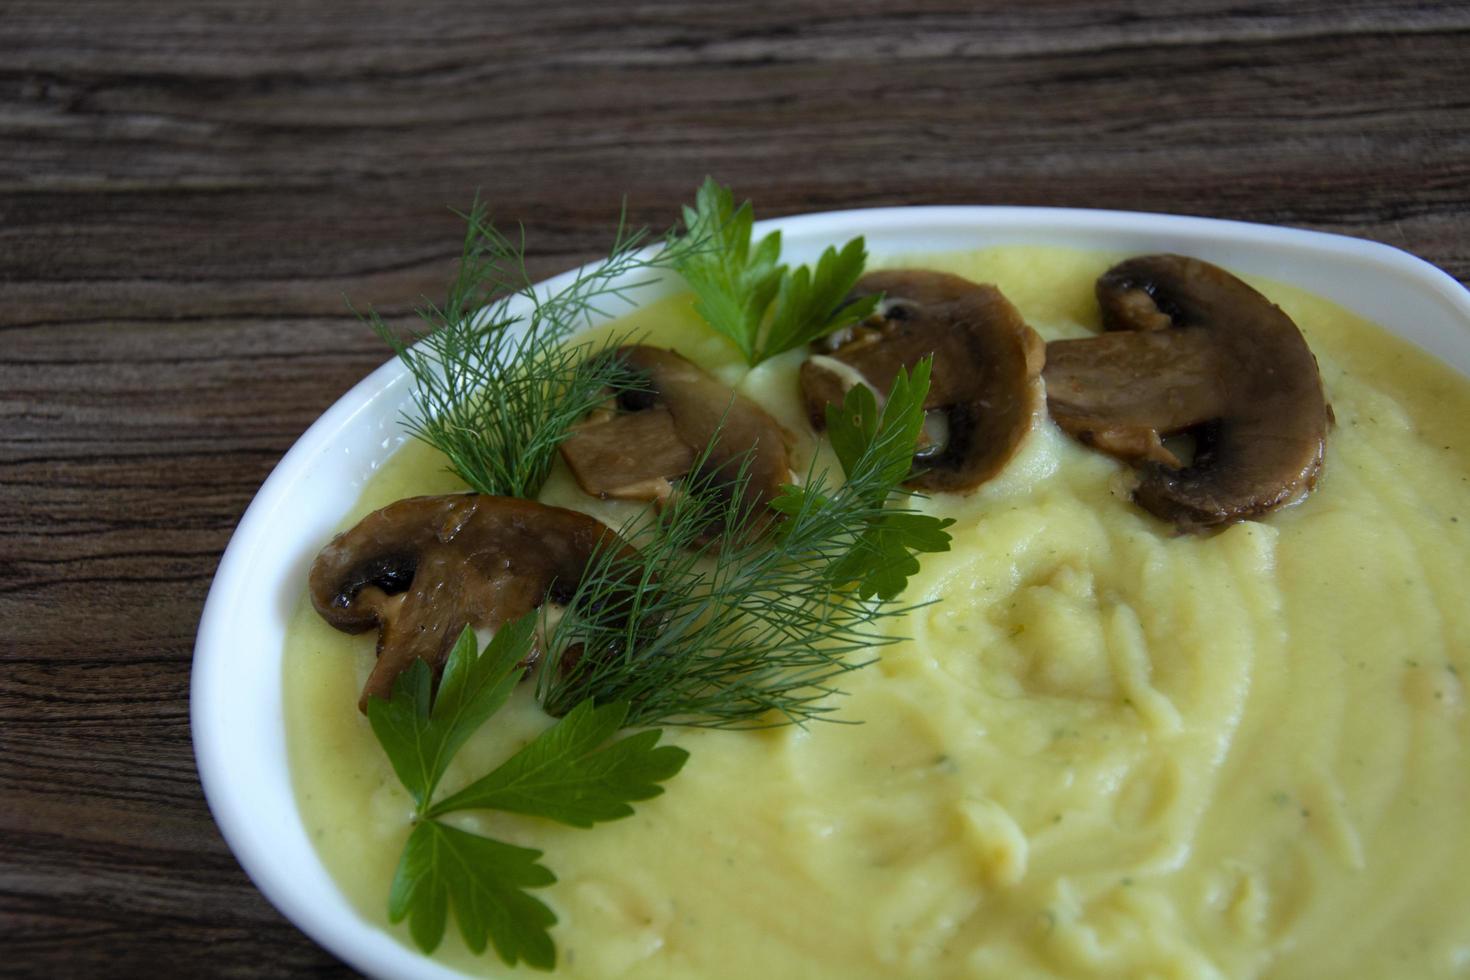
497,391
752,629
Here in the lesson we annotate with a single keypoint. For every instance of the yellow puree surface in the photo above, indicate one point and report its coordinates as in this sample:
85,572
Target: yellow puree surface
1106,751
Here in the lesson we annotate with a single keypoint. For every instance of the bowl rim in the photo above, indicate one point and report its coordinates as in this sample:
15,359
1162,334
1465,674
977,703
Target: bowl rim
233,715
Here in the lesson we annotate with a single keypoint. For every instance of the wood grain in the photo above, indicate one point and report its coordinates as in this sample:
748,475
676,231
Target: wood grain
187,195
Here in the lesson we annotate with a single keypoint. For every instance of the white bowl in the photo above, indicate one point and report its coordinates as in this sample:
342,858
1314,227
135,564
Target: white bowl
236,702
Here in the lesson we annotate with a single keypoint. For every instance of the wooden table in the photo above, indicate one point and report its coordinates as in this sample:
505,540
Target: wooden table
189,196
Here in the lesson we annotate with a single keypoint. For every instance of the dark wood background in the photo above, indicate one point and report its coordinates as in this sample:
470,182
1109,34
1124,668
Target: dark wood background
189,192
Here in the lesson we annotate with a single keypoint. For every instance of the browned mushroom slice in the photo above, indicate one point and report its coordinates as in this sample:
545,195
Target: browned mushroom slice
423,568
1192,349
654,436
984,390
628,455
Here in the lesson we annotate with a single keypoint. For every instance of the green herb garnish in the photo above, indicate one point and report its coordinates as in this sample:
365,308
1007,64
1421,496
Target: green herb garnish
882,559
751,630
748,629
496,392
763,307
571,773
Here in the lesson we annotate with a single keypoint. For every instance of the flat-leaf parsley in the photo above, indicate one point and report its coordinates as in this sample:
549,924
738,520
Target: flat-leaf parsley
571,773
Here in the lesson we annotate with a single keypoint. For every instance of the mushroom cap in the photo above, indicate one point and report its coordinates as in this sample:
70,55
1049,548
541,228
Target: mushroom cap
985,380
423,568
1191,348
656,435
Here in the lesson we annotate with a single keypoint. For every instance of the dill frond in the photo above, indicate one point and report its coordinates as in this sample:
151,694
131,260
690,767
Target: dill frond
717,636
496,391
753,629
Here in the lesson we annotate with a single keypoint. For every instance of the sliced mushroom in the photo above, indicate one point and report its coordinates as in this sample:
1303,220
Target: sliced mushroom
1189,348
422,569
654,436
984,390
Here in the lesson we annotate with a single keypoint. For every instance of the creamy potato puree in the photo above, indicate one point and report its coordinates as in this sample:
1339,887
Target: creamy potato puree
1107,751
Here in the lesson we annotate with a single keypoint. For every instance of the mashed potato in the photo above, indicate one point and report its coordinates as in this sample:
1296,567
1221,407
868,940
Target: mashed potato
1106,750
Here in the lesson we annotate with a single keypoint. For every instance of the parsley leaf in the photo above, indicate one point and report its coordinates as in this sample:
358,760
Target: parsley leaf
570,773
882,559
874,447
735,283
485,879
876,450
810,304
420,739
